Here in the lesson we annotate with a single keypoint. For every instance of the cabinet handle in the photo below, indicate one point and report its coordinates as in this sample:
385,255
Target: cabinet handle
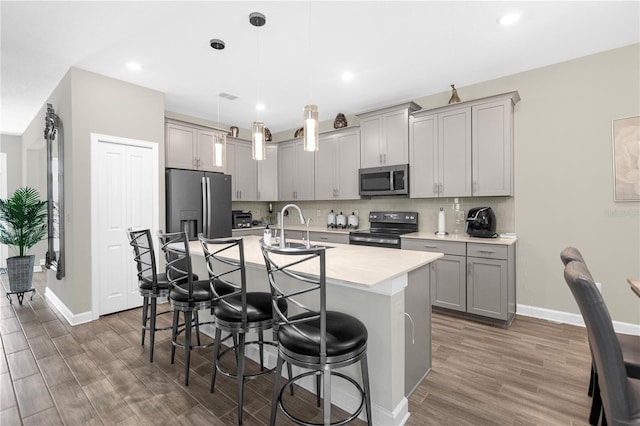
486,251
432,247
337,193
474,186
384,158
435,188
469,268
324,238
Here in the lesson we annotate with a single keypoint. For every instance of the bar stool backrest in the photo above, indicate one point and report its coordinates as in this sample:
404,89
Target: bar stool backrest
144,255
281,263
219,252
178,259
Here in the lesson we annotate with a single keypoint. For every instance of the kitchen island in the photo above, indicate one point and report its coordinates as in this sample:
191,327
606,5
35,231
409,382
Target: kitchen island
388,290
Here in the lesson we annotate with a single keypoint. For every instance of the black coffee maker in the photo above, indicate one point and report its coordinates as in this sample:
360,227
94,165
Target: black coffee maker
481,222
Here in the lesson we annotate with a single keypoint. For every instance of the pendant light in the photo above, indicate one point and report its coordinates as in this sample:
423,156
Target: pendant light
310,122
258,137
310,117
219,138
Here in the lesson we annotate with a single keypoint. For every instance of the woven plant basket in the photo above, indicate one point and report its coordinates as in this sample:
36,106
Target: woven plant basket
20,270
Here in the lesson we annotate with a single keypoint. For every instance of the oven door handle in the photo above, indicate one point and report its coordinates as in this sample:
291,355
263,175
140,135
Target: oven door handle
375,240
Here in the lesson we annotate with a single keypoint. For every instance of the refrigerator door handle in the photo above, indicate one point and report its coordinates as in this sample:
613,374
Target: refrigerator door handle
208,234
205,206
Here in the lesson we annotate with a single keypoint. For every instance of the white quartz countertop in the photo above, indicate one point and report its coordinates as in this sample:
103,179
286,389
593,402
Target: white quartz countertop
350,264
463,238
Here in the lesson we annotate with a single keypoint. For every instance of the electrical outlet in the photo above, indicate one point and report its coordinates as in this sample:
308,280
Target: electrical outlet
318,213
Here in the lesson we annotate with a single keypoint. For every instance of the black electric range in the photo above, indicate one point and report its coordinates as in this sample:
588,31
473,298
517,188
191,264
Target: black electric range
386,228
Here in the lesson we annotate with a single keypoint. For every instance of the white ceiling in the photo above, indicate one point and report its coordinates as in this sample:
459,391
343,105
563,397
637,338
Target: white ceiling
397,51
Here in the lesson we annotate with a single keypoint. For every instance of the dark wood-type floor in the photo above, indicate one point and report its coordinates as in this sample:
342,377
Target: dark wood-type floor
536,372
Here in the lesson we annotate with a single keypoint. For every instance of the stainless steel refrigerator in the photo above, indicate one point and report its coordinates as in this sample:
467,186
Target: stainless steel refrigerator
198,202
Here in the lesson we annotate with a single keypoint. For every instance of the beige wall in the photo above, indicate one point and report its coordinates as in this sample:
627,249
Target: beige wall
12,146
90,103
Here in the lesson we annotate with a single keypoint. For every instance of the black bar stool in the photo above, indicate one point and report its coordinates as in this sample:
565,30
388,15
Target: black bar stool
151,284
314,338
186,295
236,313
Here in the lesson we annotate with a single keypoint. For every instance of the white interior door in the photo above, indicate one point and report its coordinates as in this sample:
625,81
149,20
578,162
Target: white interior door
126,198
4,252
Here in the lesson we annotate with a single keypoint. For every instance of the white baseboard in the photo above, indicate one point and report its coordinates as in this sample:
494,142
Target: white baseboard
72,319
573,319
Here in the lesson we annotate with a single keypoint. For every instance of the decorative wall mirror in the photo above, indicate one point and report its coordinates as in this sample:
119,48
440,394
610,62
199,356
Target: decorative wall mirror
55,192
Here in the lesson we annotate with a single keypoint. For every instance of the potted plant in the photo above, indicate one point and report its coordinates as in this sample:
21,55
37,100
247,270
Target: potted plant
23,222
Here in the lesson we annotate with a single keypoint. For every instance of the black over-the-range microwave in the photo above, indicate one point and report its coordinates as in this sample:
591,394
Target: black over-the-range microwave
386,180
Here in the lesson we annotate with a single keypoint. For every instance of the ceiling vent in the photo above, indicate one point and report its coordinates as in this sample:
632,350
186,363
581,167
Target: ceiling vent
228,96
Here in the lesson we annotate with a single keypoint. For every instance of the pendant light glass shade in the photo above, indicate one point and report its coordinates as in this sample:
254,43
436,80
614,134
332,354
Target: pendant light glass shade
258,148
311,130
219,145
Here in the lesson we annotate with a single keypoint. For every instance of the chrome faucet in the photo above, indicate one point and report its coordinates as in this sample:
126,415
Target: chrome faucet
302,222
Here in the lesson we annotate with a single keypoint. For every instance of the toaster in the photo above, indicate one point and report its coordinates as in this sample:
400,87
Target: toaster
481,222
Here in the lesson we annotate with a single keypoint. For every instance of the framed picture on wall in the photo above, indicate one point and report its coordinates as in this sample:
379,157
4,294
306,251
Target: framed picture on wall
626,159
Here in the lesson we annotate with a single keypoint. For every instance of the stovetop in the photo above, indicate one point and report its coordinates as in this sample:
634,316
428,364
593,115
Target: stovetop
390,223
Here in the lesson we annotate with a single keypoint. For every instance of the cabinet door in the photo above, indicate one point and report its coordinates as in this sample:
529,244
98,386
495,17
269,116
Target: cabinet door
454,162
423,146
487,287
449,282
231,167
347,159
206,154
370,135
247,173
395,140
180,146
286,171
326,169
492,148
268,176
305,171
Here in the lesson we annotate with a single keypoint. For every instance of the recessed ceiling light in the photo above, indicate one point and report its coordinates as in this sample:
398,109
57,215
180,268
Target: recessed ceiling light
260,107
347,76
509,19
134,67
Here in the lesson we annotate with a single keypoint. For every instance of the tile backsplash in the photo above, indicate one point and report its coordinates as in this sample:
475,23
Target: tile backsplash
427,209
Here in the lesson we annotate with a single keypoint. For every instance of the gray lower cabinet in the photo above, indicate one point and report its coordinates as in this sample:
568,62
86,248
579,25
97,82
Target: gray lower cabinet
448,274
329,237
475,278
491,281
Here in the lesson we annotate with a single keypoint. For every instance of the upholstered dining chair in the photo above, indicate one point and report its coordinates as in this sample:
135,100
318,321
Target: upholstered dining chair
151,284
620,393
629,345
186,295
236,313
313,338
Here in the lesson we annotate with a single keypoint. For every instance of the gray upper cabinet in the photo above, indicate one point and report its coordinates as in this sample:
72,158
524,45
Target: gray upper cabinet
190,147
295,172
243,169
492,136
268,175
336,165
252,180
464,149
384,136
440,148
